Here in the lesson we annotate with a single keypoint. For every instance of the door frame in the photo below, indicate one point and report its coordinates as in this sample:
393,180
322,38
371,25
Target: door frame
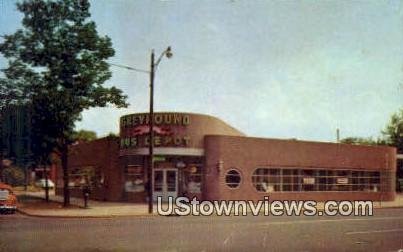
165,193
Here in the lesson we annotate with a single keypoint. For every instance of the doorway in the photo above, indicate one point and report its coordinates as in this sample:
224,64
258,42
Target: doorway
165,183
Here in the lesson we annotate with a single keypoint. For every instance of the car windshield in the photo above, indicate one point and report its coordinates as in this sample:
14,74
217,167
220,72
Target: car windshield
4,194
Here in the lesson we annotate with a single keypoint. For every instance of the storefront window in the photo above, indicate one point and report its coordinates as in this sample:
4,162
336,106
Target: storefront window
193,178
267,180
134,178
233,178
85,175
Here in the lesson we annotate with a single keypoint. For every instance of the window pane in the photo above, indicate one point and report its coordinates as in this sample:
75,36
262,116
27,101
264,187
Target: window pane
232,178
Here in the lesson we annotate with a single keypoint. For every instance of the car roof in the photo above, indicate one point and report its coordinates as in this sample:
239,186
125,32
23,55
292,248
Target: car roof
5,186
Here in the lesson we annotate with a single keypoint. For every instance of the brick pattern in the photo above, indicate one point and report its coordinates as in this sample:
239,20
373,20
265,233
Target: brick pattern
246,154
103,155
227,148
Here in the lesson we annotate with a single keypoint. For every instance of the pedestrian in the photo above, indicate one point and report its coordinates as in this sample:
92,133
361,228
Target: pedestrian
86,194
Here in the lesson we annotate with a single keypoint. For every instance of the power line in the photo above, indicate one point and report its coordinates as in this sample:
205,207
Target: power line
129,68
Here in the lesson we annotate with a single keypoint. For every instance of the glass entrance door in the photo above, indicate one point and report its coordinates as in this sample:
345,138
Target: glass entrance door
165,184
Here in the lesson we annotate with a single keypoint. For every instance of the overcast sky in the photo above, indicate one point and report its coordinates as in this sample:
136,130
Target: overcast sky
278,69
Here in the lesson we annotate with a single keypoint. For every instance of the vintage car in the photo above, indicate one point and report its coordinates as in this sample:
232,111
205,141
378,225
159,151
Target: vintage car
42,183
8,200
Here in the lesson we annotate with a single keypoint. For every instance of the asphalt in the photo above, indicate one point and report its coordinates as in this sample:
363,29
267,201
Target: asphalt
381,232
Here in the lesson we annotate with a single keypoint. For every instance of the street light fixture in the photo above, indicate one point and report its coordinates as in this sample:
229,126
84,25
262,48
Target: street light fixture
154,64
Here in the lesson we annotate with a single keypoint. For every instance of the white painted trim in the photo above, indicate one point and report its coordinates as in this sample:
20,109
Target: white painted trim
163,151
399,156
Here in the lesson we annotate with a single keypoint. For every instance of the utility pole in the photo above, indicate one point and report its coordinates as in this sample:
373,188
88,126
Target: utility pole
150,171
151,138
153,66
338,135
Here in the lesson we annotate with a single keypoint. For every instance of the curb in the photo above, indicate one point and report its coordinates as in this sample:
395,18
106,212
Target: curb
131,215
142,215
87,217
24,212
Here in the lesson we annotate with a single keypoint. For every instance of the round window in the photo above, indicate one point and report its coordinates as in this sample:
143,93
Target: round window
233,178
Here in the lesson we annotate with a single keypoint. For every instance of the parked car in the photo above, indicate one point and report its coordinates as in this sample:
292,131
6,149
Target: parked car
8,200
42,183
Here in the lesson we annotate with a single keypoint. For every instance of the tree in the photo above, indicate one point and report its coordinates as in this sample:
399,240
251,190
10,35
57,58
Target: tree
15,87
10,94
112,135
84,135
14,176
393,132
359,141
58,62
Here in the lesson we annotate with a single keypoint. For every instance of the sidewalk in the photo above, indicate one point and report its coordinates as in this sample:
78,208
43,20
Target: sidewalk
33,204
398,202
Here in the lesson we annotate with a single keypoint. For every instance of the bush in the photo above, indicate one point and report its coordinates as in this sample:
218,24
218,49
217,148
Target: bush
14,176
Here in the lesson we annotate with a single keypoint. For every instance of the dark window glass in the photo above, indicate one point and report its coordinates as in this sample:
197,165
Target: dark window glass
233,178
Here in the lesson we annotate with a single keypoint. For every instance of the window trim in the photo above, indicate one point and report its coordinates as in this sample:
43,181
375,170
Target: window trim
323,187
240,178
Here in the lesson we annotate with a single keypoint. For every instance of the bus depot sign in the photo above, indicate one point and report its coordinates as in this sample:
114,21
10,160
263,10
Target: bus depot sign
169,130
159,119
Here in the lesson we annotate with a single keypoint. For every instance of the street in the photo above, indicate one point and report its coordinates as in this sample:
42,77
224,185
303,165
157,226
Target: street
381,232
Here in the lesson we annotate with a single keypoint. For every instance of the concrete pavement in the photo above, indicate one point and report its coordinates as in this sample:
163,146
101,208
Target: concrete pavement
33,204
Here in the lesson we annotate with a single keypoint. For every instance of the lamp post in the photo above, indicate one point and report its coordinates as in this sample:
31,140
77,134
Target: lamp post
150,170
153,67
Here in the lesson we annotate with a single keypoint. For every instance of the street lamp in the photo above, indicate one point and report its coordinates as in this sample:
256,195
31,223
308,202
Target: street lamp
154,65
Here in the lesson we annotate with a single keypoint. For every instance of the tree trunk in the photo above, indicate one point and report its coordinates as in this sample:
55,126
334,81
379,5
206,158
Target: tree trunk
46,184
1,152
1,164
66,191
25,177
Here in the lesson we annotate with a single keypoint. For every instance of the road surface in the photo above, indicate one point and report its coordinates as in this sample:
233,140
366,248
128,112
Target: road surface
381,232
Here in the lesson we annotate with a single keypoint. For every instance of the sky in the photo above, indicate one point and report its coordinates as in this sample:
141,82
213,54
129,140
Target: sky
275,69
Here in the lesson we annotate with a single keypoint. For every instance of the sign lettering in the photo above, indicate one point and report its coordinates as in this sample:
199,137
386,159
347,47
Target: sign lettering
168,130
159,119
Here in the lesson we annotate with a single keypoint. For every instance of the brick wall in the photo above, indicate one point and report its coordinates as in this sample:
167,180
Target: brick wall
246,154
102,154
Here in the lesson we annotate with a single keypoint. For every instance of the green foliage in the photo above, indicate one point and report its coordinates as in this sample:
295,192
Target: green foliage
84,135
360,141
112,135
14,176
392,135
393,132
57,64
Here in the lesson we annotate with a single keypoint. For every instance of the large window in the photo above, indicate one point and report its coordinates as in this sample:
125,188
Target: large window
267,180
85,175
305,180
134,178
193,178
